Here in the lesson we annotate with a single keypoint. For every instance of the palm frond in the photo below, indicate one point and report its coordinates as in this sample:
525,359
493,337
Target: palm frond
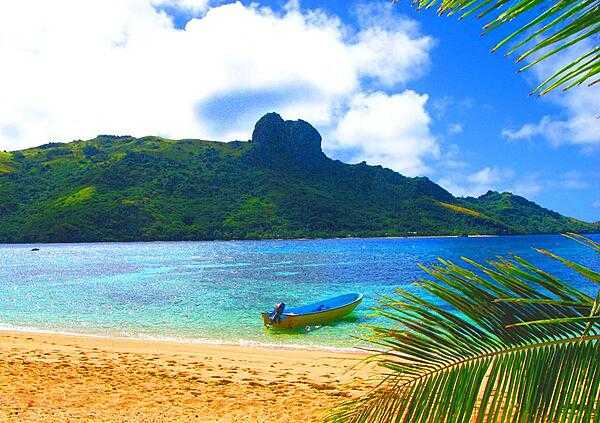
584,241
550,28
502,341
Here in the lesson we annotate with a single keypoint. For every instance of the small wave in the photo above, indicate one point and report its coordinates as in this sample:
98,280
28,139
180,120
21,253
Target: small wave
181,340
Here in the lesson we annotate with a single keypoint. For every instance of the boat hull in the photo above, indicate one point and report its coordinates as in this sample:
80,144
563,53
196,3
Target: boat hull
291,321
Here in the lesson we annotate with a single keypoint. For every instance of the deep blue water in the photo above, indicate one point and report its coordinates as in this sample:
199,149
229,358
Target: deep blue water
216,290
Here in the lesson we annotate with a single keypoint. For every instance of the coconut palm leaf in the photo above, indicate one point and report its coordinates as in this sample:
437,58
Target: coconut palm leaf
501,342
585,241
550,27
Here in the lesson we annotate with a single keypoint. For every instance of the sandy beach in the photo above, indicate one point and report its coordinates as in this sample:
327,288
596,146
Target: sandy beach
67,378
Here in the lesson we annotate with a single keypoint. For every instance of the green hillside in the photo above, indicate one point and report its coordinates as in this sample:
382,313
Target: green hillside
278,185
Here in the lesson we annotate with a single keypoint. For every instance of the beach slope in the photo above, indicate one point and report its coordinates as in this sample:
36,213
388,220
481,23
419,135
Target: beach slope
60,378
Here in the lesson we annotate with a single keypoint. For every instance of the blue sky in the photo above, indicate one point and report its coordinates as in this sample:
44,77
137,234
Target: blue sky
411,91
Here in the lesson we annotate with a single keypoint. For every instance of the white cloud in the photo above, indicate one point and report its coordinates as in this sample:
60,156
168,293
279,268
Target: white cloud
582,128
486,176
448,107
455,128
596,204
477,183
529,130
193,6
451,160
577,123
456,188
528,187
392,57
505,179
573,180
76,69
391,130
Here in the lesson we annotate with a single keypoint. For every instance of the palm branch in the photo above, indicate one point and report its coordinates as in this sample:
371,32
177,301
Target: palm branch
502,342
551,27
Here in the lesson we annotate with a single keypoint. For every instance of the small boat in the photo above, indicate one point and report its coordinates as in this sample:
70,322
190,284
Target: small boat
318,313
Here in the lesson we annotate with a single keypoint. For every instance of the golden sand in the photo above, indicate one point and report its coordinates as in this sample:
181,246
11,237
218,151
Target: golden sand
64,378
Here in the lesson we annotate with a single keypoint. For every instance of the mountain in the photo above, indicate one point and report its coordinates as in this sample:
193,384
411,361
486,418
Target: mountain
277,185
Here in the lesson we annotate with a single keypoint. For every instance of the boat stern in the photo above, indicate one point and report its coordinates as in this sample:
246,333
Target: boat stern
265,317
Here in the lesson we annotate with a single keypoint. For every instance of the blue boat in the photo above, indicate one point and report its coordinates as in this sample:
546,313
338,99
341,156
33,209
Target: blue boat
318,313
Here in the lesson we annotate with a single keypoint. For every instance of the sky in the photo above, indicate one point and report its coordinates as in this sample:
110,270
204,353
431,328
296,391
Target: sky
385,84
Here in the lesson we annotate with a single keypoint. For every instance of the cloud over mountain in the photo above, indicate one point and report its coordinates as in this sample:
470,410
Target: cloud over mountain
77,69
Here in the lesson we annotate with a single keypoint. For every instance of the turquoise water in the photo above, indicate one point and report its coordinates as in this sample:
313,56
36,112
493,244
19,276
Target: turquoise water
214,291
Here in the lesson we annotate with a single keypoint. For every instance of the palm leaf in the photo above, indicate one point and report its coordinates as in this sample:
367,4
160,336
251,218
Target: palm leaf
584,271
503,341
549,28
584,241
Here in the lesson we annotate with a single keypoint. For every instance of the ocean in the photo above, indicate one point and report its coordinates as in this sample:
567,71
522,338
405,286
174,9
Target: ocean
214,291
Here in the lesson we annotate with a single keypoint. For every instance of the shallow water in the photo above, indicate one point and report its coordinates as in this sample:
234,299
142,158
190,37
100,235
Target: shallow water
215,291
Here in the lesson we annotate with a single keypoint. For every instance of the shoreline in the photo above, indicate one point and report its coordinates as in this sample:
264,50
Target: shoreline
299,239
291,239
242,343
53,377
184,343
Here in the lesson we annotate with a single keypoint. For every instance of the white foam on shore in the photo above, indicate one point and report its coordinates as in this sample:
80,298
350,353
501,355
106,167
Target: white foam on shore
182,340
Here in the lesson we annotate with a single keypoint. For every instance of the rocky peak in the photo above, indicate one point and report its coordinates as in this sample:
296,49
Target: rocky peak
286,142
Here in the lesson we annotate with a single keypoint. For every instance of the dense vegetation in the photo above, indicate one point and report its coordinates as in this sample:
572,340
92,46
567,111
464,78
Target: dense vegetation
278,185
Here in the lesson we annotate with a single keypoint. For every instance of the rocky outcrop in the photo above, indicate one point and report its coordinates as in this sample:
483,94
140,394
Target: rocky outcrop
283,143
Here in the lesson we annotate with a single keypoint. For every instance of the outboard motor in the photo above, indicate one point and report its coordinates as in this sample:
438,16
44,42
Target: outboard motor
275,316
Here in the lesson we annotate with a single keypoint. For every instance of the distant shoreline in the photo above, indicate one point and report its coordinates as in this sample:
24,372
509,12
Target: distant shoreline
294,239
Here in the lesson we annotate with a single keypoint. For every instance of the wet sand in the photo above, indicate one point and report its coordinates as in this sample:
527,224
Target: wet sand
64,378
